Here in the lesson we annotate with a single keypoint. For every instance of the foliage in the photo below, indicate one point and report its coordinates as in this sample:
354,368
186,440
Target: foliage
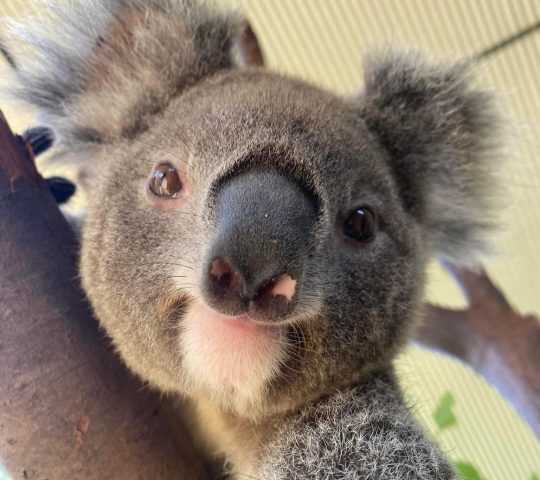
443,415
467,471
445,418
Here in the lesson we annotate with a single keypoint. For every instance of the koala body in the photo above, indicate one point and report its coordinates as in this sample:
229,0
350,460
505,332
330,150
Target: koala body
255,244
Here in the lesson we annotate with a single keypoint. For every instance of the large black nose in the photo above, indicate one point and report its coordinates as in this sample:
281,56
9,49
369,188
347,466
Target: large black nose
255,265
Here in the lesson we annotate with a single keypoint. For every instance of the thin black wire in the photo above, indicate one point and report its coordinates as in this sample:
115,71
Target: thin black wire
508,41
7,55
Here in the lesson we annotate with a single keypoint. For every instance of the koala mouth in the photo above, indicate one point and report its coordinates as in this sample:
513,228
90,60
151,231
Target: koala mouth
221,352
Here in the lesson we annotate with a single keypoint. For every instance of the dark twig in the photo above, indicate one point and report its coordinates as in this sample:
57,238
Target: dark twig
249,50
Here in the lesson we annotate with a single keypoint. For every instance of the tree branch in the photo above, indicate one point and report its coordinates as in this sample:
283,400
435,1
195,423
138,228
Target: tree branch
69,409
495,340
249,50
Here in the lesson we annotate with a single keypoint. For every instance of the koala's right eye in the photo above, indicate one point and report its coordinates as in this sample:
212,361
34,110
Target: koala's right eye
165,181
360,225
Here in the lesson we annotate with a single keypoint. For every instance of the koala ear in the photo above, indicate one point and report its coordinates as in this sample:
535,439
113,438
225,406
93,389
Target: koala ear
442,138
97,69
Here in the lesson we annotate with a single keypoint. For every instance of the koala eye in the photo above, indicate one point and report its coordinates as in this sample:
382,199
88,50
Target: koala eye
360,225
165,181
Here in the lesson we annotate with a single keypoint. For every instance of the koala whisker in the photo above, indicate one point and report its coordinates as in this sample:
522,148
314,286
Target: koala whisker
284,364
189,213
184,284
298,347
168,264
182,290
296,350
318,283
189,294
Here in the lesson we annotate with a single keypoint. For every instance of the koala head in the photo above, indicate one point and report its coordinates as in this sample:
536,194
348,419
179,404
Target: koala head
251,239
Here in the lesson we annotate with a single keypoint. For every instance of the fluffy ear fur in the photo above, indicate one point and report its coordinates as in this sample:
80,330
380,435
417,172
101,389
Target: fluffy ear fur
97,69
442,138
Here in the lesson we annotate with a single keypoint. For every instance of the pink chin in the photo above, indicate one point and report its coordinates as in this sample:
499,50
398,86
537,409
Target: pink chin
233,351
243,325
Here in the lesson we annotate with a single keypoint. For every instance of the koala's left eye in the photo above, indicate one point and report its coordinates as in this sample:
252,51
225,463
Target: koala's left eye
360,225
165,181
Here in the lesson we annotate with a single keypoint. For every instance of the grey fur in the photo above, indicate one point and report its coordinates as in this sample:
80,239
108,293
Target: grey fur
434,124
417,145
378,439
108,90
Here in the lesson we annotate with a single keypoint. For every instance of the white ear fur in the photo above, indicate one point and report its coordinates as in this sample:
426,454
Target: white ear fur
96,70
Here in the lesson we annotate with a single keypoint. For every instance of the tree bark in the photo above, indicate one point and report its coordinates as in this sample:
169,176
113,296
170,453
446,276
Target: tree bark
249,51
492,338
68,407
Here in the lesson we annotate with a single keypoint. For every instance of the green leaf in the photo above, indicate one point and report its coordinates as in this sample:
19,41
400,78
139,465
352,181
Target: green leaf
443,415
3,474
467,471
535,477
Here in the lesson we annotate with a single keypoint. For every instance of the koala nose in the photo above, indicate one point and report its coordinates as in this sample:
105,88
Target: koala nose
255,265
273,294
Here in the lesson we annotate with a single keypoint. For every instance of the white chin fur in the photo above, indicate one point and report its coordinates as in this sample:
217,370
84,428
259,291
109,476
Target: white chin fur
229,360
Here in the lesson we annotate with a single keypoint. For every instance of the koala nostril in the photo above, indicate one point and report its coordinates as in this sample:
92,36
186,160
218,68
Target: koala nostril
284,286
230,294
275,298
224,276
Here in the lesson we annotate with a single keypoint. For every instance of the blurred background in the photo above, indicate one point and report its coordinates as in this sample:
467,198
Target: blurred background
322,42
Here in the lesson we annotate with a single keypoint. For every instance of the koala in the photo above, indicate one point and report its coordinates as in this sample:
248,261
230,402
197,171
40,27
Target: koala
256,245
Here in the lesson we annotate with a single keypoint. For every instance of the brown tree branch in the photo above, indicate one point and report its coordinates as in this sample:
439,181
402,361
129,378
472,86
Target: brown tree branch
249,50
495,340
68,408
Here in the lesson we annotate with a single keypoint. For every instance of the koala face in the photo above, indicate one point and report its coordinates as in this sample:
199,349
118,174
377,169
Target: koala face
253,240
273,259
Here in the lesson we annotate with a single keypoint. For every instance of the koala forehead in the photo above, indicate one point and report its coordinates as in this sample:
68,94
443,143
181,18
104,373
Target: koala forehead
243,119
